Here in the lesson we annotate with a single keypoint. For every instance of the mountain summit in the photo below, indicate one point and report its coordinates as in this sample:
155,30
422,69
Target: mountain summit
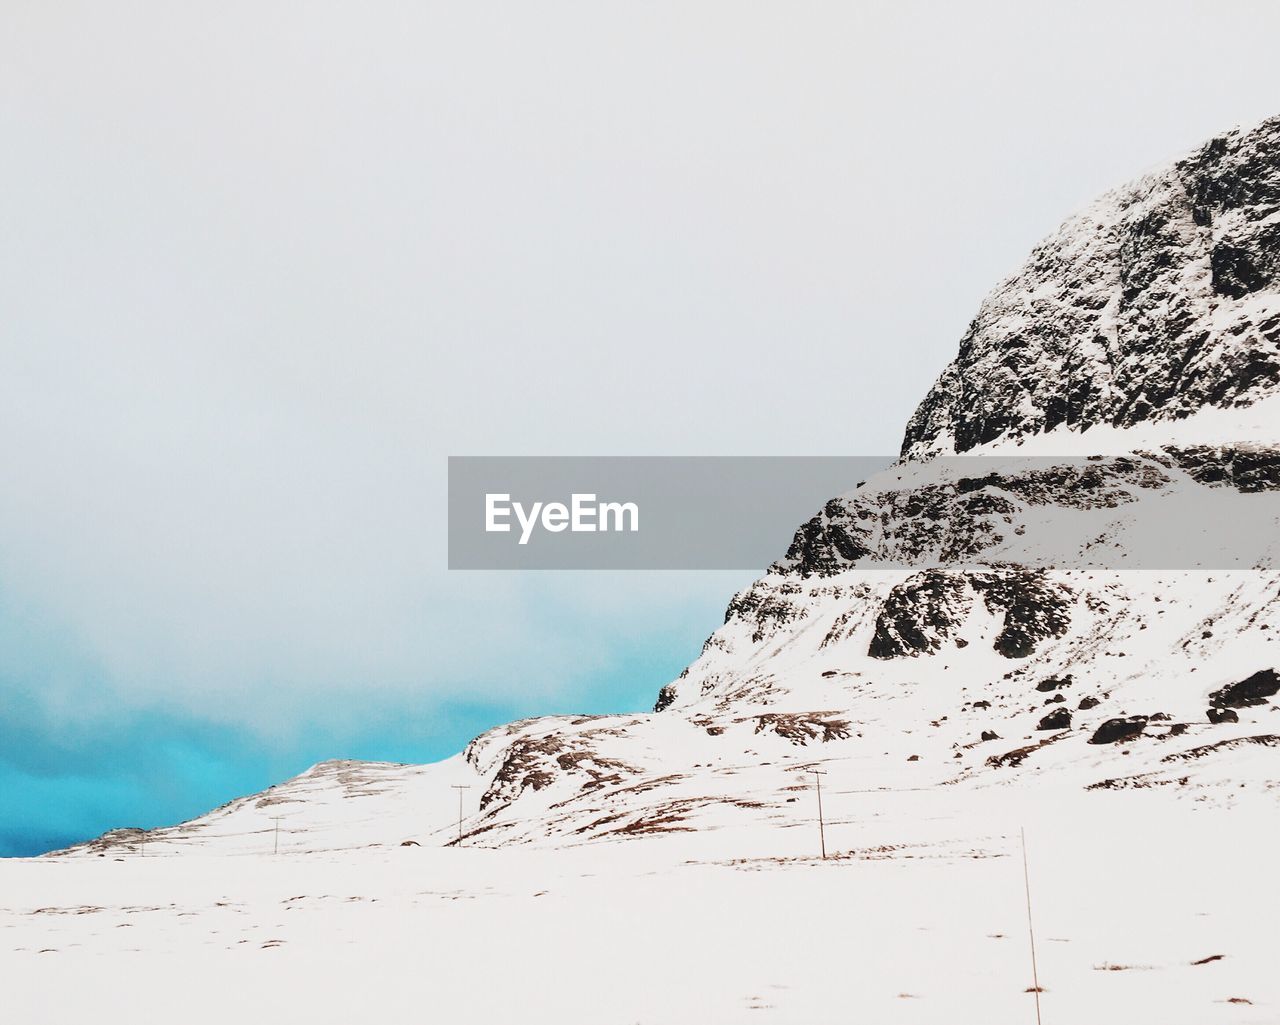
1155,303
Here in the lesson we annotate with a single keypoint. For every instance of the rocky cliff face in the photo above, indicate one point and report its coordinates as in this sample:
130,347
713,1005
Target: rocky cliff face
965,625
1156,302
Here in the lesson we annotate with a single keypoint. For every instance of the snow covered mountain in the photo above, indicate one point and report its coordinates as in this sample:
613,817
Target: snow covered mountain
942,630
1157,302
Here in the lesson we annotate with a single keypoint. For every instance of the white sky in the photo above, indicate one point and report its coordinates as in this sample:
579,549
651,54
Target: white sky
264,266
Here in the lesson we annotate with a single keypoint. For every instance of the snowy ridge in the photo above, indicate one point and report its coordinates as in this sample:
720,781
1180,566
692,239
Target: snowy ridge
1157,302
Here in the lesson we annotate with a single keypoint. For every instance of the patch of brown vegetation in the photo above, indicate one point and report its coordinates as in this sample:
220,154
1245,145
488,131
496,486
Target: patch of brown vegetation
1018,755
802,727
1191,754
531,763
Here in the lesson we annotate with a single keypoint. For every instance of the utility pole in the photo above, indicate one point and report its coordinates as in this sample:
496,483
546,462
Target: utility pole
822,832
1031,932
460,787
276,848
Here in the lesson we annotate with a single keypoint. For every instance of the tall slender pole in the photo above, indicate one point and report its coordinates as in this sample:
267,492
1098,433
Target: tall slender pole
460,787
822,832
276,848
1031,931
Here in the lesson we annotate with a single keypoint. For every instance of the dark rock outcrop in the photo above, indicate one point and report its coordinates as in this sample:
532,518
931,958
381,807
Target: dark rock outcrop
1253,690
666,697
919,614
1113,731
1035,609
1058,719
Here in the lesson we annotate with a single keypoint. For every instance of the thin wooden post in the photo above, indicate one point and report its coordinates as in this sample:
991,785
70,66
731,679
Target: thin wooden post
822,832
1031,929
460,787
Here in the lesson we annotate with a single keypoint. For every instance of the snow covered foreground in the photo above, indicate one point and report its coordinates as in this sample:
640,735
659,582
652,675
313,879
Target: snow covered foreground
1145,909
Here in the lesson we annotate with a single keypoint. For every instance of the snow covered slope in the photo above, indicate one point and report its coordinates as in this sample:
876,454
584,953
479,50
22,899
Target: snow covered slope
1140,919
969,630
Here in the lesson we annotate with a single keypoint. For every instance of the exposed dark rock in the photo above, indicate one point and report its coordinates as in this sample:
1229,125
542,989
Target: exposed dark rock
1251,691
1034,608
1247,468
990,735
1219,715
919,614
766,608
1054,683
1241,269
1087,702
827,543
956,522
1058,719
666,697
1113,731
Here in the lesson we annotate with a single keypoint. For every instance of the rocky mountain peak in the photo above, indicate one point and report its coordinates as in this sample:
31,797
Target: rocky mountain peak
1159,300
